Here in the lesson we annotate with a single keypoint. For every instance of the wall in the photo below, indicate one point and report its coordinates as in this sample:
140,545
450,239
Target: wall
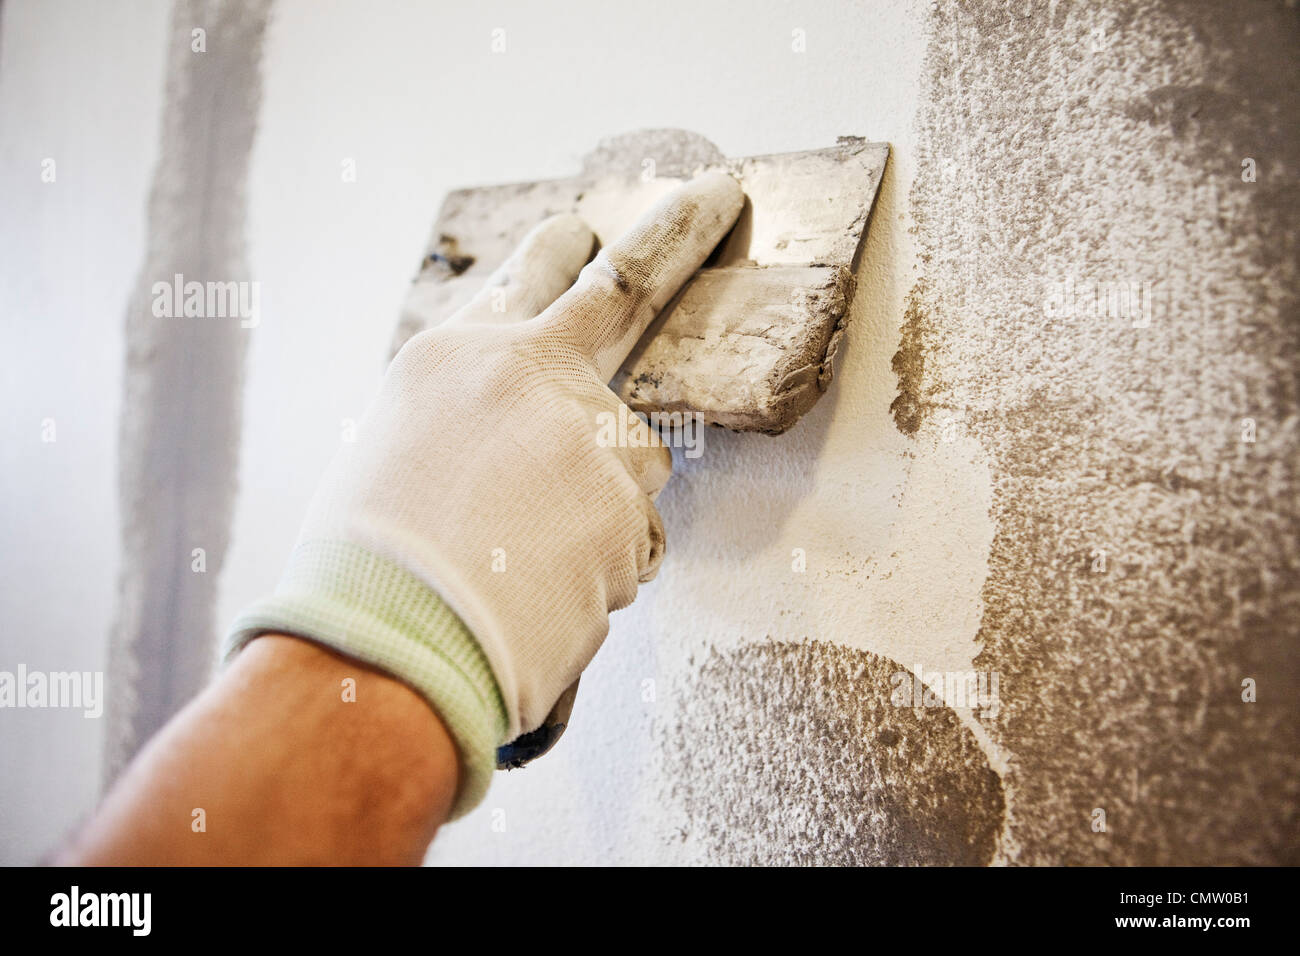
80,84
950,496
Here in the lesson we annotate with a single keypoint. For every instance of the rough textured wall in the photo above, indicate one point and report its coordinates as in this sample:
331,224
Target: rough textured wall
1147,555
797,754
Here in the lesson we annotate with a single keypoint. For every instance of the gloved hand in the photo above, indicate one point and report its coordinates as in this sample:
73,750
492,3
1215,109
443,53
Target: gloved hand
474,538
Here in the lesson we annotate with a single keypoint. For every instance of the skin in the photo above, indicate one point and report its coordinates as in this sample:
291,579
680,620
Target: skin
285,770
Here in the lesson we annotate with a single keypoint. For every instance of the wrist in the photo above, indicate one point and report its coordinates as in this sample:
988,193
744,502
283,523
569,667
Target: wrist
366,607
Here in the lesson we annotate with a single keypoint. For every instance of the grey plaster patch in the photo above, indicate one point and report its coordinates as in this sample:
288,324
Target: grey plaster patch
1147,559
913,403
178,444
794,754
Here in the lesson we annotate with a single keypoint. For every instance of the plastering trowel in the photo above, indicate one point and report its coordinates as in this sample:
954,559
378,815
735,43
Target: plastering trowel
748,343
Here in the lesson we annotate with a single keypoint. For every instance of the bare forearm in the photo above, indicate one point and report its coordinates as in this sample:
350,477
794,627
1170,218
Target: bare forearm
281,761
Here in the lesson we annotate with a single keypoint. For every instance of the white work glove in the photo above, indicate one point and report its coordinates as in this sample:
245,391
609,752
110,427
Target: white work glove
477,484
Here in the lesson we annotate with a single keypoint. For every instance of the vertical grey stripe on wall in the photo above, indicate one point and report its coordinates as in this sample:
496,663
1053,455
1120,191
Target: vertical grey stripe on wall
180,424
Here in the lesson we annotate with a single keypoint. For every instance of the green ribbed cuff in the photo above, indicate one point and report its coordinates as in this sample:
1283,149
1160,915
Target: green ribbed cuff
367,607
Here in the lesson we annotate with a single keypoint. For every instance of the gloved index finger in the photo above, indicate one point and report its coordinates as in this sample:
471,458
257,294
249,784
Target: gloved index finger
619,292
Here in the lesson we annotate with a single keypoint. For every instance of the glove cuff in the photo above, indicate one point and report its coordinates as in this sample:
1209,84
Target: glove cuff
340,595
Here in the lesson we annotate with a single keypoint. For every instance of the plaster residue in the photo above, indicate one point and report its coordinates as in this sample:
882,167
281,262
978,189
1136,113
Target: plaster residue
181,410
833,771
911,406
1145,561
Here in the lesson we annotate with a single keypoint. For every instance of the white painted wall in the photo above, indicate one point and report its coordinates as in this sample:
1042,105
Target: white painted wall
80,83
